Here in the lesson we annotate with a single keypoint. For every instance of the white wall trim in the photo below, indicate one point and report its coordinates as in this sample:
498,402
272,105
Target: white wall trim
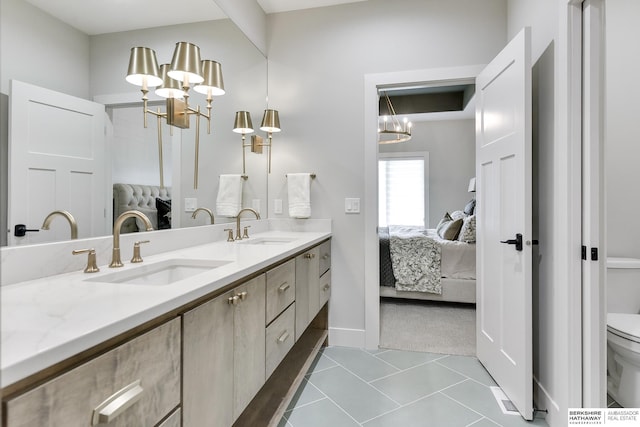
345,337
568,169
594,334
433,76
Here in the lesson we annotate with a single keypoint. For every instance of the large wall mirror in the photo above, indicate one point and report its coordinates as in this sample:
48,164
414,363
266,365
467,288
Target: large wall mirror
43,50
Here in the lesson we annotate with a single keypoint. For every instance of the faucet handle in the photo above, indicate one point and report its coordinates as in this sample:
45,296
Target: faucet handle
230,235
91,267
136,251
246,232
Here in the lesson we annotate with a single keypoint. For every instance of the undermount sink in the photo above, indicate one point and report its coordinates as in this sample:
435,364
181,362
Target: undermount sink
161,273
266,241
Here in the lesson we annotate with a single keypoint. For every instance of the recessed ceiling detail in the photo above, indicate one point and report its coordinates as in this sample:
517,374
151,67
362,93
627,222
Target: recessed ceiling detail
428,99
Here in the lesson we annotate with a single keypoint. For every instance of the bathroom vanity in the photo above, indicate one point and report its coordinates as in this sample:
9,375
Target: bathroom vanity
218,334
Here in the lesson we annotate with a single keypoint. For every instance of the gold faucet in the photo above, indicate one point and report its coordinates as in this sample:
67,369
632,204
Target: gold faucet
67,216
207,210
238,236
115,256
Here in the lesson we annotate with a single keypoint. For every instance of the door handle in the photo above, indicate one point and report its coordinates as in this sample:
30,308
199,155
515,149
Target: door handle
517,241
20,230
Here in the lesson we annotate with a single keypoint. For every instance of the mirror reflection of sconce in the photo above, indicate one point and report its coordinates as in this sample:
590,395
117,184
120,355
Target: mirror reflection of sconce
173,83
243,125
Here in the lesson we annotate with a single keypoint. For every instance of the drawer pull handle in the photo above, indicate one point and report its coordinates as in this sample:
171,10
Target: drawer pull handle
243,295
309,256
283,337
325,256
284,287
326,287
117,403
234,300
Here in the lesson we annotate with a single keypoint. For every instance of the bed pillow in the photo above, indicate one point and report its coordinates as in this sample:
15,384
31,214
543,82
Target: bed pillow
446,218
164,213
458,215
470,207
468,230
448,228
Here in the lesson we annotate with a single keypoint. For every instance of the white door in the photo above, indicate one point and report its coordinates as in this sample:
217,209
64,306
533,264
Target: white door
56,162
504,262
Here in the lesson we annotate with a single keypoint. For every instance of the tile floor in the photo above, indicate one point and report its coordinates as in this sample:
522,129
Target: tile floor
351,387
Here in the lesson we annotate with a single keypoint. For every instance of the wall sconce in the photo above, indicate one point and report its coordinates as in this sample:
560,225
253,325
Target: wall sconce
173,82
243,125
270,124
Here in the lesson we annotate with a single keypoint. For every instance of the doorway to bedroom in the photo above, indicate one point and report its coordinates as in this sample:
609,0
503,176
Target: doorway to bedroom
426,220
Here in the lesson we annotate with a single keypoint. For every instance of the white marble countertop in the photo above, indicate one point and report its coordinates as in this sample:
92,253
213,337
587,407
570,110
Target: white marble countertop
48,320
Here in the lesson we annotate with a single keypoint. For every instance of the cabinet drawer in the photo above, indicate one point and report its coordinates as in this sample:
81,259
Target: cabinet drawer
325,256
325,288
280,338
281,289
149,366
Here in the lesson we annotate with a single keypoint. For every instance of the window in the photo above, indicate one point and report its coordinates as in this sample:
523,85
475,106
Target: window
403,189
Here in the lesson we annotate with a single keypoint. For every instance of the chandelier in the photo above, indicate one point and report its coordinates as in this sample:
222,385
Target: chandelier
173,81
392,131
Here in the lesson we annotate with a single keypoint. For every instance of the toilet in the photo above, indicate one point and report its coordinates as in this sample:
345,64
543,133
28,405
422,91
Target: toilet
623,331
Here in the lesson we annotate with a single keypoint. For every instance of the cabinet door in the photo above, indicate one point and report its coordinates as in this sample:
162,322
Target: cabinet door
207,375
249,343
307,302
144,373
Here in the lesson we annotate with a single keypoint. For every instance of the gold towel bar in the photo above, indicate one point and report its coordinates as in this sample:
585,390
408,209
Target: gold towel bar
313,176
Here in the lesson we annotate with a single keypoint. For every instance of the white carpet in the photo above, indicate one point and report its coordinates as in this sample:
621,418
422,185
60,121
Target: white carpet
434,327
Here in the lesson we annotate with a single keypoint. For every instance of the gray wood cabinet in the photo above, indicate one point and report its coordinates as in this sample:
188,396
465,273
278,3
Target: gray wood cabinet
207,372
224,355
307,301
249,343
144,374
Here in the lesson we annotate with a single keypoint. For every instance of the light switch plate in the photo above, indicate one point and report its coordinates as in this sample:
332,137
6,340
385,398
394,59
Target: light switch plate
190,204
277,206
352,205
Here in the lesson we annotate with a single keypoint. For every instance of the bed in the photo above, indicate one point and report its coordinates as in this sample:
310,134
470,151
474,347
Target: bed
151,200
456,259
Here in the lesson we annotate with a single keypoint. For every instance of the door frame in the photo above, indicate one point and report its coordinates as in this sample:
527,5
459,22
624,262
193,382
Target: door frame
371,250
594,328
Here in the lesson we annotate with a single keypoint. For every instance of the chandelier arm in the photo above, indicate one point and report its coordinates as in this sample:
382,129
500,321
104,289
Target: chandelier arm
392,112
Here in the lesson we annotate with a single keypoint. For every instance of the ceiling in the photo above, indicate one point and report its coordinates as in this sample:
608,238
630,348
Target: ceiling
109,16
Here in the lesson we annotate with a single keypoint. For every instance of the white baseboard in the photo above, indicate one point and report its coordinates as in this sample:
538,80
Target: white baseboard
542,400
347,337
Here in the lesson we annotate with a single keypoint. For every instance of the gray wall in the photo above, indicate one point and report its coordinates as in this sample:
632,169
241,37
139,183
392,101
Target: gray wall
452,155
622,133
317,62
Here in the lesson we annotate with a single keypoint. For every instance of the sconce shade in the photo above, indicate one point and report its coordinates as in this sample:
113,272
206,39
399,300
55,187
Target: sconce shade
270,121
170,88
186,63
242,123
143,66
212,73
472,185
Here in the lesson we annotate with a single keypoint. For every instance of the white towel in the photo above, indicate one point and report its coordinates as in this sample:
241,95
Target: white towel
299,187
229,198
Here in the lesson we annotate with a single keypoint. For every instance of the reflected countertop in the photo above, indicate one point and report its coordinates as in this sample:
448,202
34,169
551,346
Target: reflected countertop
48,320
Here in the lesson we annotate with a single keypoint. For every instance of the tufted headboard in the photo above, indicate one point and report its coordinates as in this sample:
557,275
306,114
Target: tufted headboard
138,197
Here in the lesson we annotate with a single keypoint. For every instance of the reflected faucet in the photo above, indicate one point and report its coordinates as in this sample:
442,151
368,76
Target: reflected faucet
115,256
67,216
207,210
238,236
